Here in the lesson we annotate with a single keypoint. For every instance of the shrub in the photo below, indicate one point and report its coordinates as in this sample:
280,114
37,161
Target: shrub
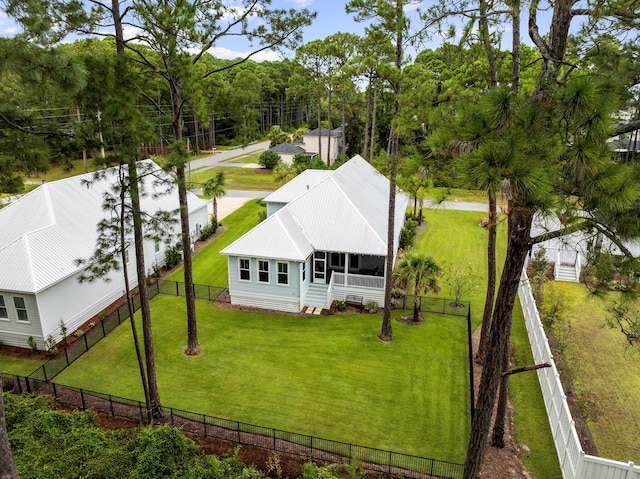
340,305
408,234
397,293
208,230
269,160
171,257
92,324
50,345
32,344
78,333
371,306
63,331
262,215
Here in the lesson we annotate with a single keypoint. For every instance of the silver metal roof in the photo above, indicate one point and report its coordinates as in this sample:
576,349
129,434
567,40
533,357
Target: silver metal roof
346,211
44,232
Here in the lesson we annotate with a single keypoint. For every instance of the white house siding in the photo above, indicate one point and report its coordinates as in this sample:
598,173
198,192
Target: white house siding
310,143
261,295
76,302
16,333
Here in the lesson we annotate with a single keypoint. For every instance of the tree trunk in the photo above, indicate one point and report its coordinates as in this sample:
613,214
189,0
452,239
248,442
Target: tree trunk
319,128
127,292
515,47
417,301
520,220
344,130
7,464
329,137
483,25
367,121
154,395
497,439
491,277
373,122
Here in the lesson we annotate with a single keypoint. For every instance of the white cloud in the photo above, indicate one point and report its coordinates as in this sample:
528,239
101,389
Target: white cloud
228,54
300,3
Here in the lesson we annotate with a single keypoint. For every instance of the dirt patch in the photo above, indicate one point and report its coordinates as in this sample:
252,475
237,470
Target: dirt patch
505,463
408,320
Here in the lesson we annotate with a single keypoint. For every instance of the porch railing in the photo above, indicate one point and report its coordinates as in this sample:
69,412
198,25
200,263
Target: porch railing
358,280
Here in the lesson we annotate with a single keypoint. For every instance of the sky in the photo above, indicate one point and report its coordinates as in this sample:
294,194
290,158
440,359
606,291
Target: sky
331,18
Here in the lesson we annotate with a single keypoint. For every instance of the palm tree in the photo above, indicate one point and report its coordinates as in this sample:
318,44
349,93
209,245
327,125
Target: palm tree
422,272
214,187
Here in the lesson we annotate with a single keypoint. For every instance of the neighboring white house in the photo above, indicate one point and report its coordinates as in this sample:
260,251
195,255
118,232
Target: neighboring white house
318,141
325,237
43,233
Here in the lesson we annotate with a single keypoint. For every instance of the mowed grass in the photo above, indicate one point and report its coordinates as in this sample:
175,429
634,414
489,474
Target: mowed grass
327,376
603,364
209,266
18,366
238,178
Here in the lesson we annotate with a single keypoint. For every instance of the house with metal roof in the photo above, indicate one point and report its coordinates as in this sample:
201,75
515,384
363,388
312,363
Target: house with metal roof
325,143
324,238
44,233
287,151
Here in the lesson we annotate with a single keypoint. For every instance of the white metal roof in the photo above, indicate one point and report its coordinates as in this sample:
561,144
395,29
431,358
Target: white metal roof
298,185
46,230
346,212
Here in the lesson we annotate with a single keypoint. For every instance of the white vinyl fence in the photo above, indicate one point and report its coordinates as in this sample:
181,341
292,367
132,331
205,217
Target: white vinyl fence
575,464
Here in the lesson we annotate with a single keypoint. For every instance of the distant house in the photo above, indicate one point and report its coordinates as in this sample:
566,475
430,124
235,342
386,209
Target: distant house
318,141
287,151
325,237
43,233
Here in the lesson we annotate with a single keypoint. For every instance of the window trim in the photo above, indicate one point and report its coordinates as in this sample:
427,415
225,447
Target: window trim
3,306
284,274
156,246
247,269
262,262
18,309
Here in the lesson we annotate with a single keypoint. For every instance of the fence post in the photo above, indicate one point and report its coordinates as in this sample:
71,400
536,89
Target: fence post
204,421
82,399
238,428
171,414
389,468
55,391
140,411
111,406
177,289
26,380
119,320
209,292
66,356
104,333
471,378
86,343
274,440
19,384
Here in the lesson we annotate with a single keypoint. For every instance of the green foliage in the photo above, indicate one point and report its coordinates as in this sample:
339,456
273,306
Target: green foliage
208,230
277,136
340,305
78,333
538,270
269,160
371,306
398,293
48,443
172,256
50,345
461,280
32,344
63,331
408,234
591,406
554,305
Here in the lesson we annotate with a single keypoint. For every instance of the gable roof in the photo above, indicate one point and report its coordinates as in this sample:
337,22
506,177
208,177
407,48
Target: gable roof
46,230
346,211
287,149
298,185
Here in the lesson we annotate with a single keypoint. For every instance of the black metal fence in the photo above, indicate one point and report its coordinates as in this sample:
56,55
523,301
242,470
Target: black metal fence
430,304
309,447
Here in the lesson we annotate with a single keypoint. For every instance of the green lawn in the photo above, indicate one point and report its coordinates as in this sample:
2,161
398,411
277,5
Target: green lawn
18,366
210,267
237,178
330,376
602,363
324,376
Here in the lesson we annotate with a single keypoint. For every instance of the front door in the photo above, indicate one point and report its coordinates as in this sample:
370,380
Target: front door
319,267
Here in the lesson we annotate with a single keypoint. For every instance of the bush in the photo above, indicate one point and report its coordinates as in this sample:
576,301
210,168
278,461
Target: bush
50,345
208,230
408,234
371,306
397,293
340,305
33,345
269,160
172,257
78,333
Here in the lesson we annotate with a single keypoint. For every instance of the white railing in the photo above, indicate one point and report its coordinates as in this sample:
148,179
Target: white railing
578,267
574,463
358,280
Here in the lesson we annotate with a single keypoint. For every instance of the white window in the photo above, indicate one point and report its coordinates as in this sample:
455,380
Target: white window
3,309
245,271
263,271
21,308
156,246
336,260
283,273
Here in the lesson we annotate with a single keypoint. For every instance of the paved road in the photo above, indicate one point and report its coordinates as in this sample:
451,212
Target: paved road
224,156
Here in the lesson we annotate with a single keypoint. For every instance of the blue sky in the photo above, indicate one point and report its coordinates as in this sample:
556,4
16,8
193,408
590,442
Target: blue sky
331,18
